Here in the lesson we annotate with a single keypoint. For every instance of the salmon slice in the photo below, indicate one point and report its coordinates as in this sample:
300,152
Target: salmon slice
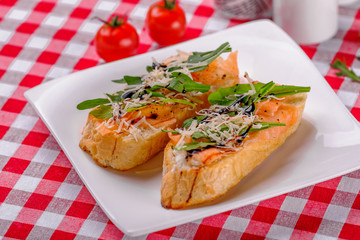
220,71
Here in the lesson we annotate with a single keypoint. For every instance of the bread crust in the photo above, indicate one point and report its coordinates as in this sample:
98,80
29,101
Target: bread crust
185,186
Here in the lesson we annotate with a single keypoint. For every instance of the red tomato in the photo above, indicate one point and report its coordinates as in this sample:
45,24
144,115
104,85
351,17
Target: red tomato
166,22
116,39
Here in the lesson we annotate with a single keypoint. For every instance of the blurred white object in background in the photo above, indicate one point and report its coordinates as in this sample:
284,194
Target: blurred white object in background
346,2
244,9
307,21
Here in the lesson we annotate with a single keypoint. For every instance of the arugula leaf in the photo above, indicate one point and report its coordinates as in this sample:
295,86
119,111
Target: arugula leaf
344,70
198,134
135,108
116,97
149,68
103,112
173,69
175,85
156,87
265,125
224,96
177,101
92,103
122,80
167,131
130,80
154,94
195,145
264,90
207,57
187,122
189,84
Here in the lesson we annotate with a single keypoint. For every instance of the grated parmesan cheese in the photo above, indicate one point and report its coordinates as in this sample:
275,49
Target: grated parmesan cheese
158,76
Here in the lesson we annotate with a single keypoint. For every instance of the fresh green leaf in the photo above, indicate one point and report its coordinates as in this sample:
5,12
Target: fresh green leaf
195,145
264,90
130,80
92,103
103,112
156,87
177,101
344,70
135,108
154,94
173,69
207,57
225,96
149,68
188,121
265,125
116,97
285,90
167,131
119,80
135,95
189,84
175,85
198,134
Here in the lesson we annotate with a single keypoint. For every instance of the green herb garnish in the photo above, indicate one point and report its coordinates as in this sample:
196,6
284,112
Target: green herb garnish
225,96
102,112
188,122
344,70
88,104
195,145
130,80
265,125
168,131
177,101
207,57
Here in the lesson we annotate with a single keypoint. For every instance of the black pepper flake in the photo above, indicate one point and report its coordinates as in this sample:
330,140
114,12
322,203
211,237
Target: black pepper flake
153,116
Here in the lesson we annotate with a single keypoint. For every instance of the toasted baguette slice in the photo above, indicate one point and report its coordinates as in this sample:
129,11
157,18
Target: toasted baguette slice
185,184
123,151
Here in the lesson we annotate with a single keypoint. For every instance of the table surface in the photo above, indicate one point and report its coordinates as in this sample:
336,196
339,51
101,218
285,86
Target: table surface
42,197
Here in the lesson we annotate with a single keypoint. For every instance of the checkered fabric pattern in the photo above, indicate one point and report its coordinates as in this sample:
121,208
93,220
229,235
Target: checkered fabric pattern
42,197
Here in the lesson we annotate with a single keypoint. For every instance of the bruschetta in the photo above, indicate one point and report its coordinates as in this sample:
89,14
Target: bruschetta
123,130
213,151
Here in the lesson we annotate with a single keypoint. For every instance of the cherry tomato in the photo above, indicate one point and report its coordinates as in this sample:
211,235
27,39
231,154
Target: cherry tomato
166,22
116,39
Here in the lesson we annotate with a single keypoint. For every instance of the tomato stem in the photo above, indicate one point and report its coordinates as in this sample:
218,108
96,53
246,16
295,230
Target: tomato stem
170,4
114,21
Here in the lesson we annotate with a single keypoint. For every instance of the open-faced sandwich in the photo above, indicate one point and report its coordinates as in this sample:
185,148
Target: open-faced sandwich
123,130
213,151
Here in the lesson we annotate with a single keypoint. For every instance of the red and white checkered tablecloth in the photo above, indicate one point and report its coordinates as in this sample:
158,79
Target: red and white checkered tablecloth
42,197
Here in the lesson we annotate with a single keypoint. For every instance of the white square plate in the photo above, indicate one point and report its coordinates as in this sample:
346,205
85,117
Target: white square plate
326,145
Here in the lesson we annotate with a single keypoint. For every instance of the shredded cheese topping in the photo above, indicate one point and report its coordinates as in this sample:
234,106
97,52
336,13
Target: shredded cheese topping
225,130
222,128
161,76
